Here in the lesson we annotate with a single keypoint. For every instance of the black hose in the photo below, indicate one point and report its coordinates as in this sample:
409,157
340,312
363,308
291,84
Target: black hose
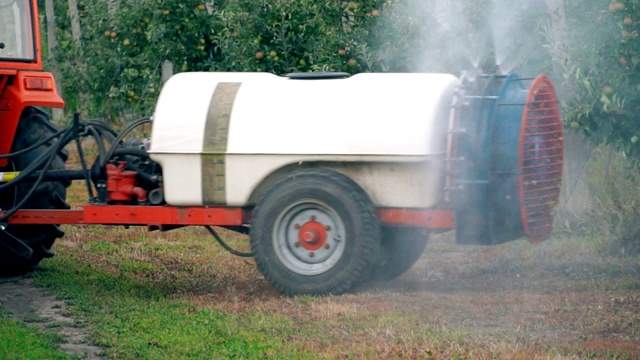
121,136
76,136
131,151
95,128
52,156
102,125
39,143
145,178
102,152
35,165
244,230
227,247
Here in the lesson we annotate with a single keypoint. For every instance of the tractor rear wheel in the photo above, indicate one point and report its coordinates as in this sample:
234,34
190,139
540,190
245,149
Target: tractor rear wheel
315,232
401,249
33,127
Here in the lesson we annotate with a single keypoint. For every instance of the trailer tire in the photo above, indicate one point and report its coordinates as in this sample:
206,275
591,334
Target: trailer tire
34,126
401,249
315,232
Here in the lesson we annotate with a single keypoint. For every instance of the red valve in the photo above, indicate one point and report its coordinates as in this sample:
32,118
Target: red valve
121,184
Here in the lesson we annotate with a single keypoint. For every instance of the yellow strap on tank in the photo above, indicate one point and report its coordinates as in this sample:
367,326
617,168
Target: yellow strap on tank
214,148
8,176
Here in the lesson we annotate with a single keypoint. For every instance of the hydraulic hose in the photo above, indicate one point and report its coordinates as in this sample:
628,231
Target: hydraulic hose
39,143
65,137
121,136
103,126
68,137
227,247
100,131
102,151
83,163
104,130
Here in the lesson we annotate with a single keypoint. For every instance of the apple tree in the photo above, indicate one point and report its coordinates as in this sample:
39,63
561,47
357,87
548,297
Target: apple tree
124,44
600,63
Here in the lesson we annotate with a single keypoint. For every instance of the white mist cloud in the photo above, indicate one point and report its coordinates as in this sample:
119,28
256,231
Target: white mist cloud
454,36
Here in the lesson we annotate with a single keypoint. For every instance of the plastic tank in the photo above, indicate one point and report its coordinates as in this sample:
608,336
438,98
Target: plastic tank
218,136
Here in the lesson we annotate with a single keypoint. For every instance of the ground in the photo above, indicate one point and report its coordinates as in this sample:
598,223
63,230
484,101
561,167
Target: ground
33,305
517,300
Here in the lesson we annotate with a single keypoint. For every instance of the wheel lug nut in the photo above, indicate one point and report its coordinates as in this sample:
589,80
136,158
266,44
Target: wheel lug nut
327,246
296,226
327,227
312,218
296,244
312,254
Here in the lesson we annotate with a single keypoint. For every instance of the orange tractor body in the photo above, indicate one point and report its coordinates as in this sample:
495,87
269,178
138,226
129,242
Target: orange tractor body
22,81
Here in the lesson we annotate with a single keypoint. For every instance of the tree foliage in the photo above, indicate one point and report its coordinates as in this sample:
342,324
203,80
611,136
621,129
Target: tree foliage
124,43
600,63
123,47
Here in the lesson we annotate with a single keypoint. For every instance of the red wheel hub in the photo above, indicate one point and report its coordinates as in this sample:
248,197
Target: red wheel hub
312,235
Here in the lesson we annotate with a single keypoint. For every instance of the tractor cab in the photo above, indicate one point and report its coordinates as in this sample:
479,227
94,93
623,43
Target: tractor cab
17,35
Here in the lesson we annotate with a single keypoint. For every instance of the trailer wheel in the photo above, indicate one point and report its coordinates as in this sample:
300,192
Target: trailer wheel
401,249
315,232
34,126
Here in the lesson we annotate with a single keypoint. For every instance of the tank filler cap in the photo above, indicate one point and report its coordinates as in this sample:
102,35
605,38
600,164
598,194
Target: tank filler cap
318,75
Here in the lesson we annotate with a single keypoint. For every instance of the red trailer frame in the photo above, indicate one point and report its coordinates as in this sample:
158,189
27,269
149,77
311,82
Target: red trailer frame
158,217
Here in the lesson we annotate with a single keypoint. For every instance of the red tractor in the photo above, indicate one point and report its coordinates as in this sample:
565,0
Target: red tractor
25,132
337,179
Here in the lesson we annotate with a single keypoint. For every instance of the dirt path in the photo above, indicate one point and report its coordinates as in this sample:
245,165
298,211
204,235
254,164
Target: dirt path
32,305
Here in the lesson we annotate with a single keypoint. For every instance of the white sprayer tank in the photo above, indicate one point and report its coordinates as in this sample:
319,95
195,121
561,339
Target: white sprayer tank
223,138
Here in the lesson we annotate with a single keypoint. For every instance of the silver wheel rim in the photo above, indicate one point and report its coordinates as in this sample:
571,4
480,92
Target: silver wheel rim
309,237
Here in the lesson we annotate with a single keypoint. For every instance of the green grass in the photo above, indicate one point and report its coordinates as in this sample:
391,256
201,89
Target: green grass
139,320
18,341
178,295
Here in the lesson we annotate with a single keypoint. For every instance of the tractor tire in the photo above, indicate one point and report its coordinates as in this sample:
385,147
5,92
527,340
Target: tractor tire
33,127
315,232
401,249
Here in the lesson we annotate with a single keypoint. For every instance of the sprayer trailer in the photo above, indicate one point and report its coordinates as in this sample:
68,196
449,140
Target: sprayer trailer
337,179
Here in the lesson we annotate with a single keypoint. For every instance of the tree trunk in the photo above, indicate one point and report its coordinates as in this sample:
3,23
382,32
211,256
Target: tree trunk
52,41
557,38
576,201
76,32
76,35
112,7
167,70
